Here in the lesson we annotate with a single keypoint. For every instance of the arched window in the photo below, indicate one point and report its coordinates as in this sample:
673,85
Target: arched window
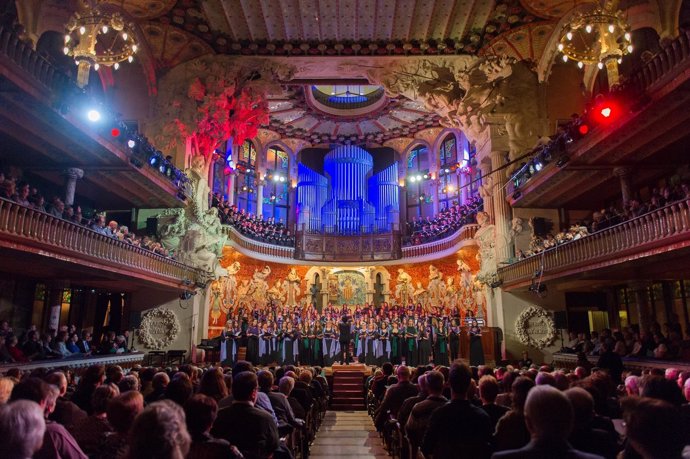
449,183
419,203
245,182
276,202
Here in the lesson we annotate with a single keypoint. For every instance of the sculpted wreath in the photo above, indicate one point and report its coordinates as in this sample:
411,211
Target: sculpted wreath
170,323
522,327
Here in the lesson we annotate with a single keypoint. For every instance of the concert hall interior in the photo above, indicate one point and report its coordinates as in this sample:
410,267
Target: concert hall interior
333,185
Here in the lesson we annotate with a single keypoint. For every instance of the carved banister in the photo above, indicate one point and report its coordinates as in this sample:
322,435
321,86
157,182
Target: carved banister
37,231
644,233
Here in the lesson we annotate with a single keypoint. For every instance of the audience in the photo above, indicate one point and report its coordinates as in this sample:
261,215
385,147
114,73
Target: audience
159,432
429,229
253,226
22,429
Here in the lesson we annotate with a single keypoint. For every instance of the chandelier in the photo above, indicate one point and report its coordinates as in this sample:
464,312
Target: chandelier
597,36
96,37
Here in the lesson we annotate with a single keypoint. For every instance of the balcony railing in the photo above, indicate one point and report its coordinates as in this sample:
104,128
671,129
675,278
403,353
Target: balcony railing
639,236
352,248
451,242
30,230
412,253
658,68
238,240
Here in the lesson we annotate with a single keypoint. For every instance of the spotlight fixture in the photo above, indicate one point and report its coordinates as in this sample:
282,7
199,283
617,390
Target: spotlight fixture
131,143
93,115
115,132
538,166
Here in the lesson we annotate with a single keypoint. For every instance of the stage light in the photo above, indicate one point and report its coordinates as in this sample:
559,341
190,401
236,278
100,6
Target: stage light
426,176
65,50
421,198
93,115
606,111
538,166
153,160
419,178
447,171
412,179
131,143
282,179
115,132
276,178
583,129
451,188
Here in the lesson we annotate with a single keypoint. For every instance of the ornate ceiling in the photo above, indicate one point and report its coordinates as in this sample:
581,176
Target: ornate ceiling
178,30
293,116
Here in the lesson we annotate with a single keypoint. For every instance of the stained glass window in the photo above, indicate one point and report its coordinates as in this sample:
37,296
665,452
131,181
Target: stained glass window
419,203
276,199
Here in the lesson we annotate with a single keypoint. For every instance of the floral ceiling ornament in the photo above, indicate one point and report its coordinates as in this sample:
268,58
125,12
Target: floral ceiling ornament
220,100
539,317
155,321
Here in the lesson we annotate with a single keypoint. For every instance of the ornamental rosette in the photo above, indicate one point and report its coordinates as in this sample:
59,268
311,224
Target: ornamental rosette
543,318
167,319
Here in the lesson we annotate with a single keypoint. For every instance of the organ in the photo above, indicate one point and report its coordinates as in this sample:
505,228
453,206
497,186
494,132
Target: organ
348,198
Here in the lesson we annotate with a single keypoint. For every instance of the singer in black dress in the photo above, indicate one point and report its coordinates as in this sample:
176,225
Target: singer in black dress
476,350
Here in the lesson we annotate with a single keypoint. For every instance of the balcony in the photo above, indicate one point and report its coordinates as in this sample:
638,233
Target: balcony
42,121
411,254
653,134
47,247
649,246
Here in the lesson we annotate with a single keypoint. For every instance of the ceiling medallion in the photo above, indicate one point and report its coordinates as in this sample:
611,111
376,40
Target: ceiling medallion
598,35
98,37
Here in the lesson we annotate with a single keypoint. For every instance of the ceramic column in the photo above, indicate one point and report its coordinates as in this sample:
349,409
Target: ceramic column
71,174
502,211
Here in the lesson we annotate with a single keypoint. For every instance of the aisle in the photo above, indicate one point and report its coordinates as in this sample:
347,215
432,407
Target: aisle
347,434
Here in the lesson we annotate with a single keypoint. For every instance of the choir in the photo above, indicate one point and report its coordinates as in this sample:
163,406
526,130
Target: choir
387,333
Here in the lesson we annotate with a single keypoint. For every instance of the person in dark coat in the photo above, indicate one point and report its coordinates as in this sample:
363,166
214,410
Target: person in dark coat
395,396
345,336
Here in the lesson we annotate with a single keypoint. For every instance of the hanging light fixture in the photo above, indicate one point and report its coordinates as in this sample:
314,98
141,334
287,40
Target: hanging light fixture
597,35
96,36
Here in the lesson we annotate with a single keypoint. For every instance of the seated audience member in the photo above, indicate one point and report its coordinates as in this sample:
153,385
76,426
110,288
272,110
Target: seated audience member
379,384
410,402
511,431
6,386
213,384
653,428
549,418
90,431
159,384
418,421
488,391
16,354
90,380
584,437
285,386
22,429
395,396
57,441
159,432
302,391
179,389
201,412
121,412
458,425
252,430
279,402
66,412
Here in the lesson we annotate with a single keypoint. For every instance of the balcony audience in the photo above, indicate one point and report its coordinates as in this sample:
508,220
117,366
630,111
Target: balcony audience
429,229
253,226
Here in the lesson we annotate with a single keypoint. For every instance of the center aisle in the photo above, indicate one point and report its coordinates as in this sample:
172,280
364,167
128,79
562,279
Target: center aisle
347,434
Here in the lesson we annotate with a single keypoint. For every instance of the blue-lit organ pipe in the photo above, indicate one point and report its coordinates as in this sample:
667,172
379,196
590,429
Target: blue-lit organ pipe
383,194
312,189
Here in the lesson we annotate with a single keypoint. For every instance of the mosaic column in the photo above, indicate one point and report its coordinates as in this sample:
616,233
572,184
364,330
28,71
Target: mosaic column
502,211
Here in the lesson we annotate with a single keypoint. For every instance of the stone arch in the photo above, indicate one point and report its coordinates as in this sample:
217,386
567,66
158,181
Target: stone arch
292,166
416,143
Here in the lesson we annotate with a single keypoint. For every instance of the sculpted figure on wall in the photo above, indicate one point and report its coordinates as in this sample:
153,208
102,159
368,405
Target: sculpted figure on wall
292,287
404,290
486,237
436,287
230,295
258,287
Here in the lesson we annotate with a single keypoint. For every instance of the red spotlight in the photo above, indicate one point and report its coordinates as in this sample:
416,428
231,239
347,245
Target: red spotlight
115,132
583,129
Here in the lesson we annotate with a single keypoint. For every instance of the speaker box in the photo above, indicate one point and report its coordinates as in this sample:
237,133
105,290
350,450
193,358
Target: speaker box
560,319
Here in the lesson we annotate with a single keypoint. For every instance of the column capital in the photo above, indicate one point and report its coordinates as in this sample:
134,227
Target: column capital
623,171
73,173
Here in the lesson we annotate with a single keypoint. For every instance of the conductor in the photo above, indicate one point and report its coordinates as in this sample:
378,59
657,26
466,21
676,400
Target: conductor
345,338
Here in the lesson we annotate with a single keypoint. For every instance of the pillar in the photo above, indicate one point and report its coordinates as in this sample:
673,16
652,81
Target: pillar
488,198
502,211
71,174
464,192
434,194
290,222
231,188
259,200
624,175
644,308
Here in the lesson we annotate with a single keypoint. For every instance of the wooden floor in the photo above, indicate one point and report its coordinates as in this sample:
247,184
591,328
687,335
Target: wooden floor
347,434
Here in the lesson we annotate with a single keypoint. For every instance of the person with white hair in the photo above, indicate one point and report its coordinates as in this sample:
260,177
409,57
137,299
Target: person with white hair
549,417
22,427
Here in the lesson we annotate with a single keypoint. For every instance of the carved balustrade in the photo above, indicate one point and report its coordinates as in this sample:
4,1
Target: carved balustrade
78,363
639,236
569,361
30,230
330,247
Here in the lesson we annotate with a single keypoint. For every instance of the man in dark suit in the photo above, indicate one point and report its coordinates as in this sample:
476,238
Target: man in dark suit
549,417
345,333
395,396
251,429
458,429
